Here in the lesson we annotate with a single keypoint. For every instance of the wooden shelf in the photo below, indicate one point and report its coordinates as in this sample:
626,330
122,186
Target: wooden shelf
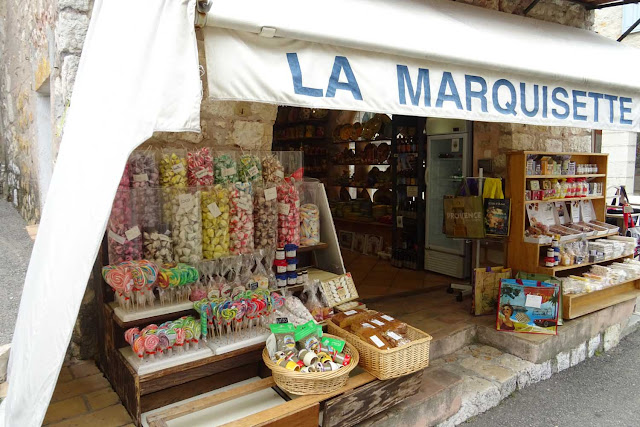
589,175
552,270
355,221
319,246
128,319
576,305
577,238
571,199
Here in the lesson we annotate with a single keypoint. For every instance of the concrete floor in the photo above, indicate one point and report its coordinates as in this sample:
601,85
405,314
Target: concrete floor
15,252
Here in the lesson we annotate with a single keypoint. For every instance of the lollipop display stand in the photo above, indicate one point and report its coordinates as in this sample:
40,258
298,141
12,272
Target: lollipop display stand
144,367
128,316
222,345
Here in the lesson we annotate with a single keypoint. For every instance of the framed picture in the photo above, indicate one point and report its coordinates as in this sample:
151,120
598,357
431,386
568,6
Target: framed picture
358,243
372,244
346,239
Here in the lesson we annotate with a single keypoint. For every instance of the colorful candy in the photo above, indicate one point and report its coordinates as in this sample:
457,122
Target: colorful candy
215,221
225,168
272,170
144,181
249,168
200,167
309,225
165,340
132,282
187,226
241,219
288,214
173,174
265,216
158,246
124,240
174,280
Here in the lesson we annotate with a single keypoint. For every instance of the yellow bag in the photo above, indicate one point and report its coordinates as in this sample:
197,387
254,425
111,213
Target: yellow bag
492,189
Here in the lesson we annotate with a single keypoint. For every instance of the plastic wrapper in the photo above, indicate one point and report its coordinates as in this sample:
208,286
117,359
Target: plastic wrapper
173,175
158,245
187,226
309,225
249,168
272,170
170,338
265,216
145,179
132,282
313,302
124,238
225,168
288,214
199,167
259,273
215,221
174,282
241,219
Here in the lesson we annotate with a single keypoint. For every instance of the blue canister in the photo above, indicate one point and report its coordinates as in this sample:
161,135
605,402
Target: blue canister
292,278
281,280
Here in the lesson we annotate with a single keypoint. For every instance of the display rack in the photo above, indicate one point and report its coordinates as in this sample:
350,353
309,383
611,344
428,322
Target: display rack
526,256
143,388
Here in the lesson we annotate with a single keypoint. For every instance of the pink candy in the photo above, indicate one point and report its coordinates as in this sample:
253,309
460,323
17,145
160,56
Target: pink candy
241,219
200,167
123,234
288,214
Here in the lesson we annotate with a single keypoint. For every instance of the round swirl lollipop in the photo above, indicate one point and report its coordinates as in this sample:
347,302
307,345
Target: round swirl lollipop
138,346
150,344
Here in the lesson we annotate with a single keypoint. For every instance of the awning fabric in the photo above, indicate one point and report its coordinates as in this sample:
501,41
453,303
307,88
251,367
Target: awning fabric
138,74
433,58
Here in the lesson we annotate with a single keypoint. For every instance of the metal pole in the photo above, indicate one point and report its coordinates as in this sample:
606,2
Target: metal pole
531,6
629,30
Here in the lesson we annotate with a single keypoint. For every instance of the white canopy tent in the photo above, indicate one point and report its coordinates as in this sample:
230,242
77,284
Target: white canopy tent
139,74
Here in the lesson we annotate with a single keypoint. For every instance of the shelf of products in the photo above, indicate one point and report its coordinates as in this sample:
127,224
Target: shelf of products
551,271
565,199
592,175
576,305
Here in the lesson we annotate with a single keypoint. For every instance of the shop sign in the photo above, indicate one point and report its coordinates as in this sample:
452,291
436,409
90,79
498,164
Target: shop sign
244,66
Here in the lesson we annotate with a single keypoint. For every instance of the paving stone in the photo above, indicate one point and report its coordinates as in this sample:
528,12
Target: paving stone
102,398
114,415
84,369
64,409
523,368
505,378
594,345
79,386
579,354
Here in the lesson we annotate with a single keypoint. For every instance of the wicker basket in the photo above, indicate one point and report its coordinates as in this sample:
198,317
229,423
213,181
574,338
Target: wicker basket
394,362
312,382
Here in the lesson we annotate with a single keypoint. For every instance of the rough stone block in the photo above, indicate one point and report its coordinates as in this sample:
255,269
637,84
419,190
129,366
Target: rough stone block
79,5
579,354
478,396
523,368
79,386
594,345
523,141
247,135
506,379
71,31
68,73
612,337
452,343
562,361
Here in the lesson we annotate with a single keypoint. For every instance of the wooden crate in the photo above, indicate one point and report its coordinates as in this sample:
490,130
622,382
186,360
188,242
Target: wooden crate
578,305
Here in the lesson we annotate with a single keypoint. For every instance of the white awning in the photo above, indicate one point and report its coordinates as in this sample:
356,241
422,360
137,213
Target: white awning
480,64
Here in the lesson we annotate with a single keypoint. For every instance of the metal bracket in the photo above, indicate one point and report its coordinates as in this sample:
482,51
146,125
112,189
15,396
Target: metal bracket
629,30
268,32
531,6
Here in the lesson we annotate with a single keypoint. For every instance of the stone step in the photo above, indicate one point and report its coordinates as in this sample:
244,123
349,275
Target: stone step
437,400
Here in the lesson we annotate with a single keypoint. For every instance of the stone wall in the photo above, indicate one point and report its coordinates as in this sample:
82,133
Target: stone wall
608,22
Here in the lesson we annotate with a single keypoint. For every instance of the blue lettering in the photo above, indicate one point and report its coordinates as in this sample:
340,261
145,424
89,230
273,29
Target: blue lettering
544,102
447,80
339,64
479,94
623,110
296,75
595,96
578,104
523,100
510,106
404,82
560,103
610,98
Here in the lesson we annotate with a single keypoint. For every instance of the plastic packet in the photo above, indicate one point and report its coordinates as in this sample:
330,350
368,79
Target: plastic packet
265,216
199,167
272,170
309,214
145,180
267,263
124,238
285,336
241,219
312,302
157,244
215,221
249,168
225,168
173,167
308,336
288,214
187,225
260,275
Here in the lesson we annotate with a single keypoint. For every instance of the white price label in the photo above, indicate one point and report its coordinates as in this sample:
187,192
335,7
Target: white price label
377,322
368,325
412,191
387,318
118,238
280,174
394,336
132,233
186,200
202,173
350,312
177,168
141,177
270,194
214,209
283,208
377,341
228,171
534,301
253,171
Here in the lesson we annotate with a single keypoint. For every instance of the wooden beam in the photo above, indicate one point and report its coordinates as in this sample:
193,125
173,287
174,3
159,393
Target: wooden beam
210,401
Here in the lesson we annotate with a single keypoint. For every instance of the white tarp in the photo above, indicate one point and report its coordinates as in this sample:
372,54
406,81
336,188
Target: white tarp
430,58
138,74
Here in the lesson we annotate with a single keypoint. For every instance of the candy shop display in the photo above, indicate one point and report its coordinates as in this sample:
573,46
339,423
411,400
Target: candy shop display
557,165
133,283
199,167
293,311
309,225
265,216
174,282
288,214
225,168
173,168
314,301
187,225
124,239
249,168
165,340
158,245
241,218
145,179
215,221
272,169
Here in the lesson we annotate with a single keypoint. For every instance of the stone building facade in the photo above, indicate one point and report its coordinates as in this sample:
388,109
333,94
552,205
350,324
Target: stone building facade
40,46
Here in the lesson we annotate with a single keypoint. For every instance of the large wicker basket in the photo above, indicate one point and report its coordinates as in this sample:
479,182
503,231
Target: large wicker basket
394,362
312,382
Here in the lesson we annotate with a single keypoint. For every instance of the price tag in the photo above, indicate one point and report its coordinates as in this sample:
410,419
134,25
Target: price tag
394,336
412,191
177,168
253,171
377,341
202,173
253,286
132,233
283,208
270,194
214,209
118,238
575,211
244,205
377,322
141,177
350,312
534,301
387,318
368,325
455,145
280,174
627,209
228,171
185,200
282,320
